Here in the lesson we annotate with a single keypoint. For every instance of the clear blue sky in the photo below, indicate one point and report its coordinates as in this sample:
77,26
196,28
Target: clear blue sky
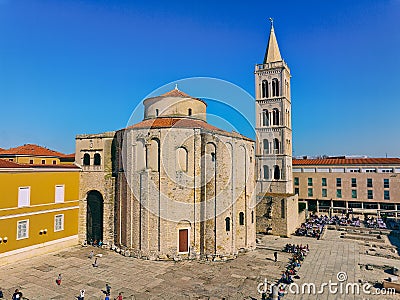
71,67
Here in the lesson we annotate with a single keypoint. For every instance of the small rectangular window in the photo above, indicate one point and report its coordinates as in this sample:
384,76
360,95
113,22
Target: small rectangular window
370,194
354,182
386,195
58,223
54,162
324,193
310,192
43,162
296,191
31,161
310,182
369,182
386,183
338,182
323,181
24,196
241,218
296,181
22,229
339,193
59,194
354,194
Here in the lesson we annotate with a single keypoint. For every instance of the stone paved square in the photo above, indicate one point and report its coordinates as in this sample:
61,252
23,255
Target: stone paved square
234,279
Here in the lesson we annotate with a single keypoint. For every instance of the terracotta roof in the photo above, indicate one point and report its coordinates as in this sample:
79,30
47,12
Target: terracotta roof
31,149
176,93
167,122
5,164
72,155
346,161
9,164
173,93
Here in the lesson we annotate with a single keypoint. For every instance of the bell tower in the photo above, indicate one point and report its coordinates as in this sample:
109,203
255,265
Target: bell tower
273,122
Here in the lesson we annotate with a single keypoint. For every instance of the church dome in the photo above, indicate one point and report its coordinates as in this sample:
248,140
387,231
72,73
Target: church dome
174,103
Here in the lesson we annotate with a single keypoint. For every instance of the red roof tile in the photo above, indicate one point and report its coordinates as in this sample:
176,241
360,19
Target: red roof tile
174,93
346,161
31,149
9,164
5,164
167,122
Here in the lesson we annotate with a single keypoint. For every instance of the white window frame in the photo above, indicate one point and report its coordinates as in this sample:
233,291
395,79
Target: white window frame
27,229
22,203
58,199
62,223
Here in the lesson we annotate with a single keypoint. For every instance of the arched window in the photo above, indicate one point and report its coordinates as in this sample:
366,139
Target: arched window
86,159
265,117
264,89
189,112
277,173
275,87
153,155
227,224
266,172
182,159
252,216
97,159
241,218
276,146
266,146
275,115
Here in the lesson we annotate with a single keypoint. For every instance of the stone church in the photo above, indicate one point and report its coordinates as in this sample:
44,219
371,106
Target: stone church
174,185
171,185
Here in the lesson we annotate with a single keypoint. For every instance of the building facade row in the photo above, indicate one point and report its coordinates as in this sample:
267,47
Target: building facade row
363,185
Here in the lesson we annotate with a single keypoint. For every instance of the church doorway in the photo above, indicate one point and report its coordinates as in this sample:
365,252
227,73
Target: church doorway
183,246
94,217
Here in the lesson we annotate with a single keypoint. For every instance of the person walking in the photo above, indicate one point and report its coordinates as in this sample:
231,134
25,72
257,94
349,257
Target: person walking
81,295
119,296
108,289
95,263
276,256
91,254
17,295
58,280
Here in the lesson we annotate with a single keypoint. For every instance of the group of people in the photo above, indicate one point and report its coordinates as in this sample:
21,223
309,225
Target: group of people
299,253
17,295
96,243
312,227
372,222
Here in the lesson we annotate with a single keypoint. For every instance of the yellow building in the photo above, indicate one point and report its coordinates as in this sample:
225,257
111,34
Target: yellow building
39,208
36,155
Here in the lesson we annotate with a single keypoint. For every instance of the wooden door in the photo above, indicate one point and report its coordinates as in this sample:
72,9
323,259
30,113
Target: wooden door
183,240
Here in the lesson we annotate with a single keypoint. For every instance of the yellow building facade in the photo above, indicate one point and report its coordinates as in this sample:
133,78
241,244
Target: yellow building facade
39,209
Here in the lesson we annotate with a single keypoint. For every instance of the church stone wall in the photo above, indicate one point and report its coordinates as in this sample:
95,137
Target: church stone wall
96,178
